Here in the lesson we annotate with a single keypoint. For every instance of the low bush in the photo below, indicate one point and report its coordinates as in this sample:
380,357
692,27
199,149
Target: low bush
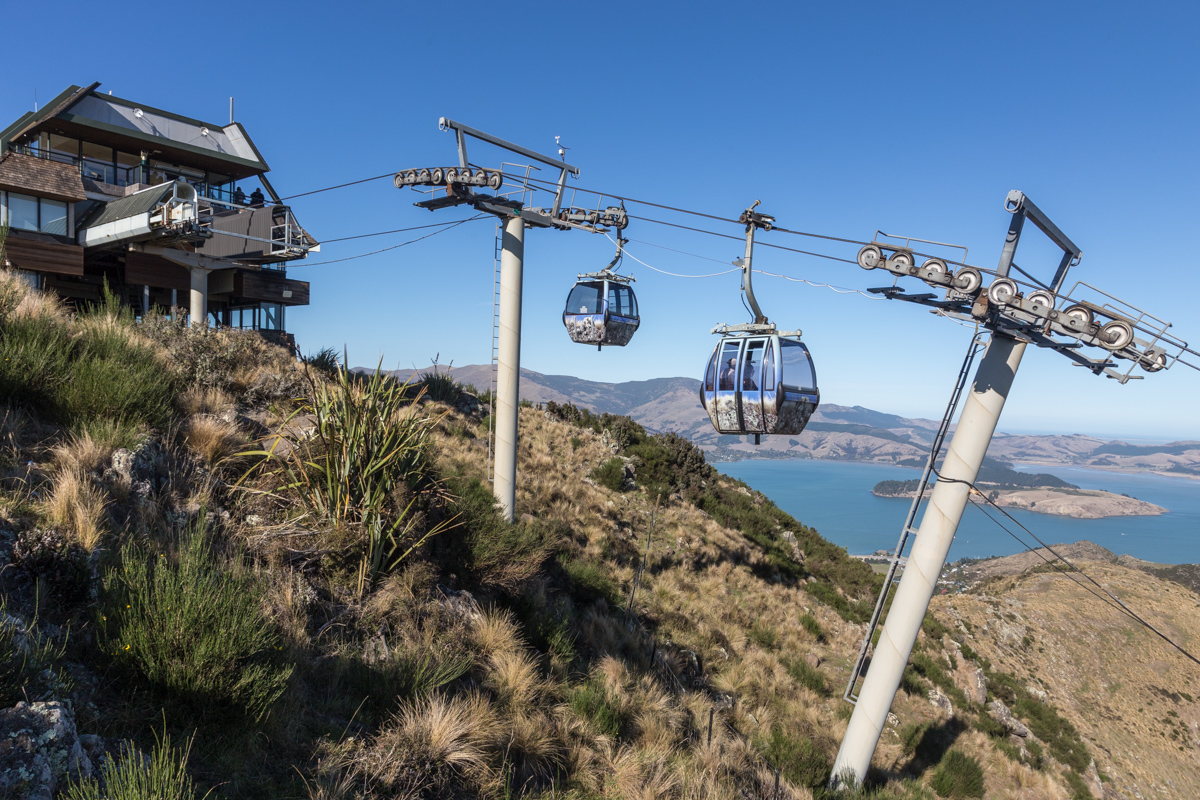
27,661
610,474
810,624
493,551
807,676
591,582
591,701
763,635
440,386
958,776
97,371
132,776
189,627
798,758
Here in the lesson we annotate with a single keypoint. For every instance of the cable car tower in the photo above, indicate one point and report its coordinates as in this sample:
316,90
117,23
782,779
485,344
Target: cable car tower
464,185
1018,312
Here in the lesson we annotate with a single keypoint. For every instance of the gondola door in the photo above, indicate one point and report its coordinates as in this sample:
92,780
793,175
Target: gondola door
750,386
727,405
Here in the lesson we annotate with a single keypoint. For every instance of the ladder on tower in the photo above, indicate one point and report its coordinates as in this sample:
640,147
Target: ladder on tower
497,246
935,452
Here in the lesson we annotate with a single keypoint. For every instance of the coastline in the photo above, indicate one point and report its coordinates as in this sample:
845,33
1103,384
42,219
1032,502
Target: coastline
1075,503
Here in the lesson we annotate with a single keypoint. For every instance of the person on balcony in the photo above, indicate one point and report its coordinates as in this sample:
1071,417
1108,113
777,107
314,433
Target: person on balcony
256,198
239,196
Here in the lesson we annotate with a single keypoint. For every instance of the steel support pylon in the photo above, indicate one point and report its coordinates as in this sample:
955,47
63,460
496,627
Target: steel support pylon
981,413
508,371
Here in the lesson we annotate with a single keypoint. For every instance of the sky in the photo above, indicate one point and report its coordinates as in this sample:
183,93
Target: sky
841,118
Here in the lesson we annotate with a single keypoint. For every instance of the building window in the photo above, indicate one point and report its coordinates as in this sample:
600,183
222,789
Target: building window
22,212
27,213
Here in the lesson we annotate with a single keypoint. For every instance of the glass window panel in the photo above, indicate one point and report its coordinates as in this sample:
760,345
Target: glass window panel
63,148
796,365
22,212
54,217
99,171
620,300
710,376
97,151
727,369
769,383
586,298
751,366
271,318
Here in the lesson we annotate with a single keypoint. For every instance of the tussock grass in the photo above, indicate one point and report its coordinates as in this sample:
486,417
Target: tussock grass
79,507
203,400
958,776
213,439
193,627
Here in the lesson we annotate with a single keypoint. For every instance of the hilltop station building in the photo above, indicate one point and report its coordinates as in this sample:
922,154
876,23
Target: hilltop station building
170,211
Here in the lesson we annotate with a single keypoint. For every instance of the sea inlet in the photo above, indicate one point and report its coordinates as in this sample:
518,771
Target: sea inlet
835,498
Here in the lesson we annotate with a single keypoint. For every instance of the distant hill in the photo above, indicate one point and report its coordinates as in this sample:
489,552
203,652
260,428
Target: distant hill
847,433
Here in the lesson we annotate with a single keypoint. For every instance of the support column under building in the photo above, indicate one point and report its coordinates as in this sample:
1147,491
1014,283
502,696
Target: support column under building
198,295
976,426
508,368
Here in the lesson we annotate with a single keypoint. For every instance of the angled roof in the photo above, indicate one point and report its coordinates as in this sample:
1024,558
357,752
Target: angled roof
134,204
38,176
84,113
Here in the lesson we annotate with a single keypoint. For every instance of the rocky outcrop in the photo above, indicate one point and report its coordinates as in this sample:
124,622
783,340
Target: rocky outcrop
1001,714
940,701
39,750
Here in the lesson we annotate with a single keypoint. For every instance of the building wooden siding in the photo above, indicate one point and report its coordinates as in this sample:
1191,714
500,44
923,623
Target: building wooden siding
270,287
43,256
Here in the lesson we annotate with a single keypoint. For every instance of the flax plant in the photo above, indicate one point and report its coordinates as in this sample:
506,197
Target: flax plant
365,465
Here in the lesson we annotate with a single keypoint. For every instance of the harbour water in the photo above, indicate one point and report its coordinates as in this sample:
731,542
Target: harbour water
835,498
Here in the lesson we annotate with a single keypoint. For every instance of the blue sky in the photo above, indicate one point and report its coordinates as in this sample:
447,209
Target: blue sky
841,118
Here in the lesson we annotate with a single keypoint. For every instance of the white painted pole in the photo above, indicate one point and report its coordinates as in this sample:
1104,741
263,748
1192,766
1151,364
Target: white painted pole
198,295
981,412
508,377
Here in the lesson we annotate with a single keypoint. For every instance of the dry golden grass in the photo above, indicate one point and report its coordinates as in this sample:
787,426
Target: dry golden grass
83,453
204,400
495,633
212,439
435,743
514,679
78,506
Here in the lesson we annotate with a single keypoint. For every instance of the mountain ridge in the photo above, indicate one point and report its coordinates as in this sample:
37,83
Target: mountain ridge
836,432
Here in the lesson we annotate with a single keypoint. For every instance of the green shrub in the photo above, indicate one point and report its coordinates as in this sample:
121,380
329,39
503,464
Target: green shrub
812,626
911,736
95,371
591,701
130,776
375,690
193,629
798,758
807,676
763,635
492,550
610,474
591,581
25,657
957,776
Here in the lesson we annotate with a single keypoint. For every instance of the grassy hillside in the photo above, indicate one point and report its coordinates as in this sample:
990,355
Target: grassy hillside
278,580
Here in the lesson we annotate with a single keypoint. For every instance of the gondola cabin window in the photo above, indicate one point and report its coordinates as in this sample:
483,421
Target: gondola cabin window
586,298
798,375
621,302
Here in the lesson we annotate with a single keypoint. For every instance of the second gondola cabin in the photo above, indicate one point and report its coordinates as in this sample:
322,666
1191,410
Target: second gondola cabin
602,310
760,384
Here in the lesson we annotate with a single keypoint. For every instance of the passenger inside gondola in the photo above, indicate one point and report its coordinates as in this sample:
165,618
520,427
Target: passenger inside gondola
753,361
728,373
